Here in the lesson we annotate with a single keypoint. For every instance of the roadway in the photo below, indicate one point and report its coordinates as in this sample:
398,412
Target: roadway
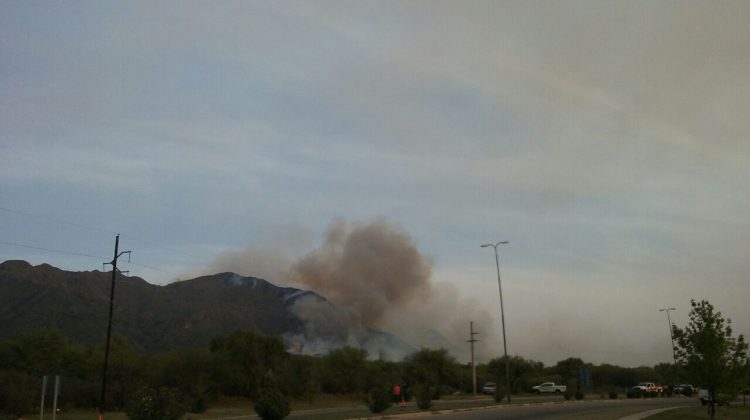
591,409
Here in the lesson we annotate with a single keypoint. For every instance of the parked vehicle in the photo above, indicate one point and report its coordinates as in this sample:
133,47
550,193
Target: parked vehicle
649,387
548,387
489,388
684,389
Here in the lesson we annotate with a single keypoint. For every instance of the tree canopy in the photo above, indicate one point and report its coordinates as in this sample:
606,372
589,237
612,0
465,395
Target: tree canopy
708,352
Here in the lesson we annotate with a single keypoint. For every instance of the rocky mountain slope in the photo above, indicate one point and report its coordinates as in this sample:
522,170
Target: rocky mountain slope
183,314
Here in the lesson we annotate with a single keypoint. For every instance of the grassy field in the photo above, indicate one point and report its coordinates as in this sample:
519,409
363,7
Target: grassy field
736,412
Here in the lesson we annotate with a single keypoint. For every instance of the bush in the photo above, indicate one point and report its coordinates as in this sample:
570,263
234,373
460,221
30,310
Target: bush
151,404
567,395
271,404
379,399
635,393
613,395
579,395
423,393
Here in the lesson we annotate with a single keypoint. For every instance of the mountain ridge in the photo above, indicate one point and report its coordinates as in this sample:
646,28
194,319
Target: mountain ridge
183,314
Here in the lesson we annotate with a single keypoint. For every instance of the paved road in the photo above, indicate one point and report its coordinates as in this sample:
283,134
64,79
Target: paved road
587,409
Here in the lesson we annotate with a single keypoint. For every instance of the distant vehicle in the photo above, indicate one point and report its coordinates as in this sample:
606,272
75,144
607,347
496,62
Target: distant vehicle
649,387
548,387
489,388
684,389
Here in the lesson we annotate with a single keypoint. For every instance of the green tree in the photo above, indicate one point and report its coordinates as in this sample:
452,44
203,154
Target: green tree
271,403
568,370
709,354
243,357
519,368
434,368
344,370
190,372
299,377
128,372
18,393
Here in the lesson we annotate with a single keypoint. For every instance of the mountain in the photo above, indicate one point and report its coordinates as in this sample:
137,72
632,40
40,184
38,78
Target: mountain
183,314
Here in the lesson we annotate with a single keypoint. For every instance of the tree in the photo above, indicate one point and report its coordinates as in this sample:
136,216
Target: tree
242,358
568,371
709,354
344,370
519,367
435,368
271,403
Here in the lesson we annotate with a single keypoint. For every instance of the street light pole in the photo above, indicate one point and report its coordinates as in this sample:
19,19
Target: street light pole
502,314
671,337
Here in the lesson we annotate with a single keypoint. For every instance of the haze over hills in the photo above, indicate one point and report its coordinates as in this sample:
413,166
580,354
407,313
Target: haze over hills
183,314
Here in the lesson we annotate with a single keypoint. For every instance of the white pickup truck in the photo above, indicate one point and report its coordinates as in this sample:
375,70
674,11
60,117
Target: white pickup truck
548,387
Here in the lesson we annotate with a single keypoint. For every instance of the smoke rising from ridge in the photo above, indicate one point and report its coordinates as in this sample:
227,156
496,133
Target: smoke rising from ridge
372,277
370,268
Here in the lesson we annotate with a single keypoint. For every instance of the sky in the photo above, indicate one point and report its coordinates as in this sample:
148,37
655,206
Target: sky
607,141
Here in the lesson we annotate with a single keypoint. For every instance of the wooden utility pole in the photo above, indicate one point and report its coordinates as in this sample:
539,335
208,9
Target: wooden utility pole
472,340
109,325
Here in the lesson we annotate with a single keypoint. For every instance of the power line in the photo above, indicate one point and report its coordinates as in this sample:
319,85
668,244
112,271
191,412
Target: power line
50,219
59,251
78,254
96,229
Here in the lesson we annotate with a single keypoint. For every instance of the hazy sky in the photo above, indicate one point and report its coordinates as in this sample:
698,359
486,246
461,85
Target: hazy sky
606,140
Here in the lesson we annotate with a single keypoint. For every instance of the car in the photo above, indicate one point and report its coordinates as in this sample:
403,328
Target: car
548,387
684,389
489,388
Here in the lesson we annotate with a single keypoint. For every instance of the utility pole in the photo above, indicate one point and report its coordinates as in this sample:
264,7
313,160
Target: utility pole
671,337
502,316
472,340
109,324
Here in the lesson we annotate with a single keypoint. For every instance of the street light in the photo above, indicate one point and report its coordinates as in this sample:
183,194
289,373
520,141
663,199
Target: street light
671,337
502,314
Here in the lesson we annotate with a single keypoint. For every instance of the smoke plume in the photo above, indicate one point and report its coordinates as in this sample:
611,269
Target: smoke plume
370,268
373,278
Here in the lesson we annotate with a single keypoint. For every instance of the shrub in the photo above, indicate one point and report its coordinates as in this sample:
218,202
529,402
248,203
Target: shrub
423,393
379,399
613,395
271,404
567,395
579,395
635,393
152,404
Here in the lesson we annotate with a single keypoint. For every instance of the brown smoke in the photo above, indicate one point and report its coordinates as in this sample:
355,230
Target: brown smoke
370,268
375,277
